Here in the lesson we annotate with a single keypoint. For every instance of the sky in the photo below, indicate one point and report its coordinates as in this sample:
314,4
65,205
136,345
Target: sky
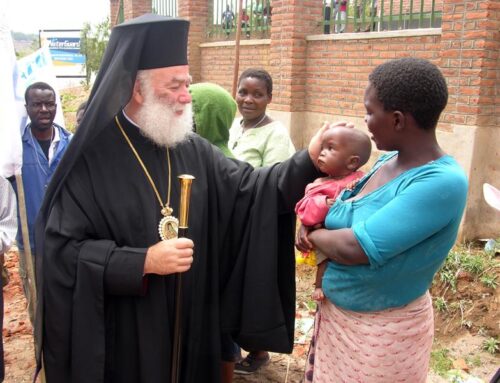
29,16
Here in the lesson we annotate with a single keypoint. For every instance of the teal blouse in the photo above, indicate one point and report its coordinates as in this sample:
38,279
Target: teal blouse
406,228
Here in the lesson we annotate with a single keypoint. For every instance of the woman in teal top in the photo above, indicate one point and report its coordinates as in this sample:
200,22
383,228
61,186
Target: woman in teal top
388,237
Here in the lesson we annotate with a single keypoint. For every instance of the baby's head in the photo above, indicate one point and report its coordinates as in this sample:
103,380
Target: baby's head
343,151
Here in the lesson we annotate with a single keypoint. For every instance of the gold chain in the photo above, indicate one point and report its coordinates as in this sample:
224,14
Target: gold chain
165,208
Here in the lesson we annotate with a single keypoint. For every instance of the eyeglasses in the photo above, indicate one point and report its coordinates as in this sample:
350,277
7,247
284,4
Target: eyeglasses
39,105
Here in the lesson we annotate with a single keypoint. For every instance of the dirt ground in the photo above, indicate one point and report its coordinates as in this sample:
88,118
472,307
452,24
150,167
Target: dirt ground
463,345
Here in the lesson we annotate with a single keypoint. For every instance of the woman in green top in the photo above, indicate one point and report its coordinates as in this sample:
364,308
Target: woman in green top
261,141
256,138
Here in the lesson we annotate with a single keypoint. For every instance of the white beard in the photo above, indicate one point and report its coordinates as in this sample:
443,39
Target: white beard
158,121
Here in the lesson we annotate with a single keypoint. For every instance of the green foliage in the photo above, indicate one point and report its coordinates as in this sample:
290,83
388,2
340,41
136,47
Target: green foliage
440,361
19,36
491,345
440,304
477,264
311,305
24,43
66,101
94,39
473,360
473,264
489,281
449,277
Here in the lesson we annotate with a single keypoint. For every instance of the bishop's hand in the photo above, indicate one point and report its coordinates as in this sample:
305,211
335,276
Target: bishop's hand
169,257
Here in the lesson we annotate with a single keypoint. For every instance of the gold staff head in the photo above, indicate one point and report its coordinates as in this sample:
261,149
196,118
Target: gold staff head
186,180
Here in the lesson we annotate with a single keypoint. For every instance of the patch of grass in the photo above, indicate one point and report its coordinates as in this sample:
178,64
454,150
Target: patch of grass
441,363
311,304
440,304
449,277
477,263
474,264
491,345
489,281
67,99
454,306
473,361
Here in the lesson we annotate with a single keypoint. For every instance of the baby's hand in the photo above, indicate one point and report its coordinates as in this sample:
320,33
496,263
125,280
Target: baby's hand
318,294
351,185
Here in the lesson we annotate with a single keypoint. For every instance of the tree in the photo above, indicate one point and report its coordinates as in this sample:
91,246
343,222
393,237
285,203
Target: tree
94,39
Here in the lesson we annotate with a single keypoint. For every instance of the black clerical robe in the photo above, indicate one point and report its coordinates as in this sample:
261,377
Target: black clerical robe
106,322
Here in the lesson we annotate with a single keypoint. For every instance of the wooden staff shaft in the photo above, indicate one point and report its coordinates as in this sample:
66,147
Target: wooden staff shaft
237,49
26,260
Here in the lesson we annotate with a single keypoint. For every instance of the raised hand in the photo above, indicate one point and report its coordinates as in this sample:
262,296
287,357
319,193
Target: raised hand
314,147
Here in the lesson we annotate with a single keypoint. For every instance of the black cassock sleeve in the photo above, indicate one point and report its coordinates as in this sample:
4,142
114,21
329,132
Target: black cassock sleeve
258,298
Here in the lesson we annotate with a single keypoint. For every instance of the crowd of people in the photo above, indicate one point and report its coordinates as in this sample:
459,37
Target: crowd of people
108,275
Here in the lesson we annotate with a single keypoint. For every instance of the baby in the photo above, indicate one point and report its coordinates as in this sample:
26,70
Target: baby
343,152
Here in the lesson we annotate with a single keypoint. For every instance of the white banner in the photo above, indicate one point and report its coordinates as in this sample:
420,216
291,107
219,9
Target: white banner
10,108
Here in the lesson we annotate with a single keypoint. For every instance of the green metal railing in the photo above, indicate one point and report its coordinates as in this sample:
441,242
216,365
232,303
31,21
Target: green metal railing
120,15
375,15
160,7
223,15
164,7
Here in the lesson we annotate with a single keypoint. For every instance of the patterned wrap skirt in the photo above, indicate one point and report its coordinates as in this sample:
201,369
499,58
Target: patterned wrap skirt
386,346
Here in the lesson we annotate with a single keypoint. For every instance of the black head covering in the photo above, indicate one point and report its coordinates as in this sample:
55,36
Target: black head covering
146,42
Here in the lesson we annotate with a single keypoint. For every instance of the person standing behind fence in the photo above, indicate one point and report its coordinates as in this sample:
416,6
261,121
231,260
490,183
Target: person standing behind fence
227,20
44,143
340,15
245,22
261,141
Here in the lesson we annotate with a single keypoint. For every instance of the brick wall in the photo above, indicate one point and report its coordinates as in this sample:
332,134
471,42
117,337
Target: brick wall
292,21
337,70
470,61
217,61
197,12
135,8
114,12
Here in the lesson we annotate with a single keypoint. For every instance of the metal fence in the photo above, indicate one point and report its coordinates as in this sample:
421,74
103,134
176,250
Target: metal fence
164,7
341,16
256,18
